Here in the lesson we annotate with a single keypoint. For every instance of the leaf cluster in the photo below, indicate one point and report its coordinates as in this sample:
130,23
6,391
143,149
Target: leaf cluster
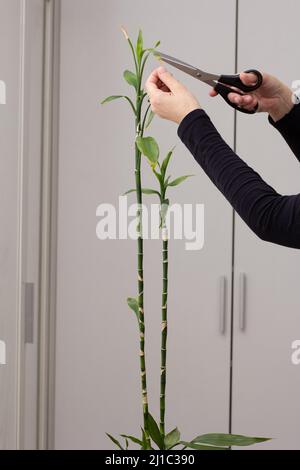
212,441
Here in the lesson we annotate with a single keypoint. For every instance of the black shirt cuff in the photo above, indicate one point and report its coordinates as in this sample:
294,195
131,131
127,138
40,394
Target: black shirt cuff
189,119
288,119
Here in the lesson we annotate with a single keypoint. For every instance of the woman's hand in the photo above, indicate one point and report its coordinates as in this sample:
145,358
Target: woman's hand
273,97
169,98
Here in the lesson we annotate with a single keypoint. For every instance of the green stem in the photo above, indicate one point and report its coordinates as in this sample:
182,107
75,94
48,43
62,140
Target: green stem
141,289
133,53
144,63
145,117
164,334
140,256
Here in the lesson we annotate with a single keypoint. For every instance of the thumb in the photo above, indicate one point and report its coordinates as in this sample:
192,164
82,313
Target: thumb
167,78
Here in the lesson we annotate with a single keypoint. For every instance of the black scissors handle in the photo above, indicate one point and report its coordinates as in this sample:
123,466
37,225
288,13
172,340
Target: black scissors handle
235,81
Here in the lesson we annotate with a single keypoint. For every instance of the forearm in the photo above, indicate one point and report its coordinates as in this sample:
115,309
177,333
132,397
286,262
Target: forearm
272,217
283,102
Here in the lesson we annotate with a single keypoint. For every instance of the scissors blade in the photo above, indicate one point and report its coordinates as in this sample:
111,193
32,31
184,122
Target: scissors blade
189,69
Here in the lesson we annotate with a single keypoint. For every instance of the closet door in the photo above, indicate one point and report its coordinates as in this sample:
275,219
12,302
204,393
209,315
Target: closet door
97,366
266,383
21,52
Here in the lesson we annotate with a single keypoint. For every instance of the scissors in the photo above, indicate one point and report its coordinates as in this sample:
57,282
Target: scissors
223,84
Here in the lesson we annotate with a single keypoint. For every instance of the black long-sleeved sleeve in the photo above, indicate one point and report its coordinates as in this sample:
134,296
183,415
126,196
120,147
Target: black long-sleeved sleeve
272,216
289,127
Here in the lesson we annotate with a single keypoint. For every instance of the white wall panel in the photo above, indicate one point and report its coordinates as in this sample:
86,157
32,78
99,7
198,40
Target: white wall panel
97,380
21,46
265,382
9,173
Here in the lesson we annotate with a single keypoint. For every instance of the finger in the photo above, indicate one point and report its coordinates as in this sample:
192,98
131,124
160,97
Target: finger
167,78
154,80
154,84
162,86
249,102
248,78
151,84
241,99
246,101
213,92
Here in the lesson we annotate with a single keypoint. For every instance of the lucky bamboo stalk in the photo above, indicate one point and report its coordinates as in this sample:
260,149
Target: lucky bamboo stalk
164,331
164,307
137,304
140,242
140,259
164,183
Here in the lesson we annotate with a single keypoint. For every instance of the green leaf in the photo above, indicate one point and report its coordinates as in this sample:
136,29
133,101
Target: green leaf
129,192
158,176
133,305
111,98
155,432
163,212
132,48
115,97
228,439
145,444
139,46
166,162
179,180
150,191
192,445
131,78
115,441
167,181
149,119
172,438
133,439
126,444
148,147
153,49
144,191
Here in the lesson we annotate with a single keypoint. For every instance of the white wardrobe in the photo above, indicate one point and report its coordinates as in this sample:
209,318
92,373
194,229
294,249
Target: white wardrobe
21,70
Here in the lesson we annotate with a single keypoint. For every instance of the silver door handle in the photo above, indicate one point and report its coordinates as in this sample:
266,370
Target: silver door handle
2,92
242,301
29,312
222,314
2,353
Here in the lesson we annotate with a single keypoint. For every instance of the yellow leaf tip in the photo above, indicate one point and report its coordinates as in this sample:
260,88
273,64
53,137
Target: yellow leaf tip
124,32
